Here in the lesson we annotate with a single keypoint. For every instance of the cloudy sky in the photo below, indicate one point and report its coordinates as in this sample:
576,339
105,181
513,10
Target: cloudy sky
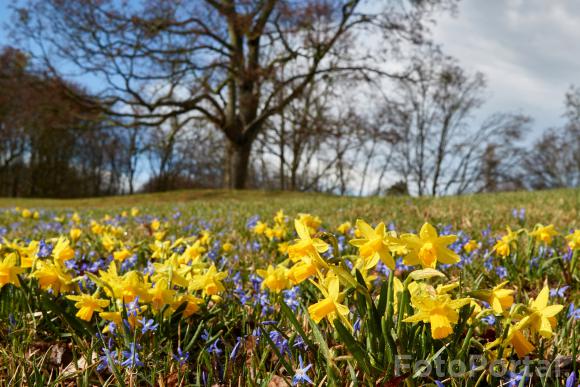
528,49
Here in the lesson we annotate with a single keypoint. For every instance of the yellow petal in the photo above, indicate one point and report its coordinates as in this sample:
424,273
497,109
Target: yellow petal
365,228
301,230
428,232
521,345
542,300
552,310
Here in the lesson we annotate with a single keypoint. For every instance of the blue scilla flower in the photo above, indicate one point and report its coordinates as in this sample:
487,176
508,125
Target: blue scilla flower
279,341
252,221
489,319
149,269
291,297
501,272
488,264
571,380
341,242
71,264
256,246
513,379
148,325
213,348
447,229
573,312
180,356
559,292
256,282
236,347
132,357
383,269
300,344
96,265
241,295
104,360
300,374
133,307
129,263
87,285
44,249
264,301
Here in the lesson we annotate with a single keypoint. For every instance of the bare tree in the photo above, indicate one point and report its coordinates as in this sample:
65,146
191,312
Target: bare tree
440,149
218,60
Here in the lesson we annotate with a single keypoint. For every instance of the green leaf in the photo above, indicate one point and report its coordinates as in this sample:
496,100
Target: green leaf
353,347
383,296
294,321
429,360
277,351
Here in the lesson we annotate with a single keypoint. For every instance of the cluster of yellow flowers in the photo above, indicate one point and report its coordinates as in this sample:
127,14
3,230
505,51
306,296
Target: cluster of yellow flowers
435,306
543,235
181,276
305,254
277,231
178,279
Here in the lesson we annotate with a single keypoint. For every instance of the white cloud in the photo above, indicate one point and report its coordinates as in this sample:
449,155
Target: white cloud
525,48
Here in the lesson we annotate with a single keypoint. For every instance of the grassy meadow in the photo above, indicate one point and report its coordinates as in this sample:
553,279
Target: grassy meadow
271,289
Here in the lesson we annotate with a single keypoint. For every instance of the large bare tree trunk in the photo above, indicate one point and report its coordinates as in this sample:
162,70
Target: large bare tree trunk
237,164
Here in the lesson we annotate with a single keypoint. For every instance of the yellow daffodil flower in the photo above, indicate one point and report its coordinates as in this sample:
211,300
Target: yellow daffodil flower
374,244
428,248
470,246
260,228
280,218
504,246
541,318
544,234
330,307
344,228
161,295
209,282
311,222
499,299
76,218
87,305
192,306
53,275
62,251
75,234
9,270
439,311
574,240
306,246
227,247
121,255
275,279
302,270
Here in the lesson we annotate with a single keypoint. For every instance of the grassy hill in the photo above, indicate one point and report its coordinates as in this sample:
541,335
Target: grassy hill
561,207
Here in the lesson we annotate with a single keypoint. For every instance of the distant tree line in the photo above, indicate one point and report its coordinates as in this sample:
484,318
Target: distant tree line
348,97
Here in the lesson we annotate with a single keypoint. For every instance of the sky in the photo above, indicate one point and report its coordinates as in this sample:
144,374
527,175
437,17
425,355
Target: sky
527,49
